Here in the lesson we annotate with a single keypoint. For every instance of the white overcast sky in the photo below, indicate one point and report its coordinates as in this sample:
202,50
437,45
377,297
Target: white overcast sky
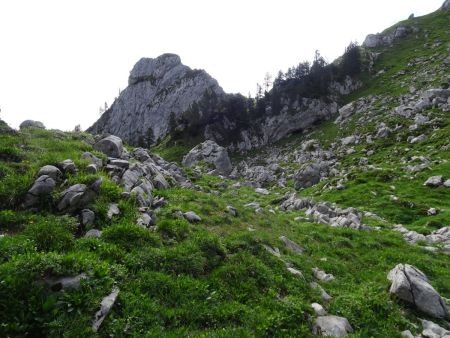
60,60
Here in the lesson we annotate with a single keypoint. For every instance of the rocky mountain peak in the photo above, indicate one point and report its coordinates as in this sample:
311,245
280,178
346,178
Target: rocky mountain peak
157,89
150,69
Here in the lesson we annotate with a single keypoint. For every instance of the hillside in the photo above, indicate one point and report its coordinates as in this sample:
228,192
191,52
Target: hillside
297,239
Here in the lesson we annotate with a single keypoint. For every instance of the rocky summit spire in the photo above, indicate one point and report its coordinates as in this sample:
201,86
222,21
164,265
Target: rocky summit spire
156,88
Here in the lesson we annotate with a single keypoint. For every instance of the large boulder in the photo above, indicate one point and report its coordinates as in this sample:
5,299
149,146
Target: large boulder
42,187
210,152
411,285
78,196
31,124
51,171
5,129
111,146
307,176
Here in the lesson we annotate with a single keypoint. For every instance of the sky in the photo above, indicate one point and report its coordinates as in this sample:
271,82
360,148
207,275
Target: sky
61,60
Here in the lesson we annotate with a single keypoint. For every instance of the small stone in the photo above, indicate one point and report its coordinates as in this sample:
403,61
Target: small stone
113,210
232,210
93,233
434,181
68,166
105,307
291,245
295,272
432,212
91,169
318,309
253,205
123,164
321,275
262,191
192,217
333,326
273,251
87,217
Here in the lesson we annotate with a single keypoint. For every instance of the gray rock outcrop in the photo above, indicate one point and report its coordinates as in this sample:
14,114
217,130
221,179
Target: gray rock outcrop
383,39
5,128
31,124
210,152
411,285
156,88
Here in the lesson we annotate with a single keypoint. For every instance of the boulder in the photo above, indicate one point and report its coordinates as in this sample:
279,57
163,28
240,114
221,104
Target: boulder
68,167
31,124
141,154
432,330
51,171
321,275
78,196
308,176
232,210
92,159
434,181
123,164
64,283
87,217
105,307
291,245
411,285
43,186
323,294
332,326
192,217
262,191
93,233
91,169
318,309
160,182
210,152
5,128
113,210
111,146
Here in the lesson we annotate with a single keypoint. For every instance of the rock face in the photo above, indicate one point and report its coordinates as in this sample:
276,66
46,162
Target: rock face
296,115
411,285
210,152
380,39
4,128
31,124
445,5
156,88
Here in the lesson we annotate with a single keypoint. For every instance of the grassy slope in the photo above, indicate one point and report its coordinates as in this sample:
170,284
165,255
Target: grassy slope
214,278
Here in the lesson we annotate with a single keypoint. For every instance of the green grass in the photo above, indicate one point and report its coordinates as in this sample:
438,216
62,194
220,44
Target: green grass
214,278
